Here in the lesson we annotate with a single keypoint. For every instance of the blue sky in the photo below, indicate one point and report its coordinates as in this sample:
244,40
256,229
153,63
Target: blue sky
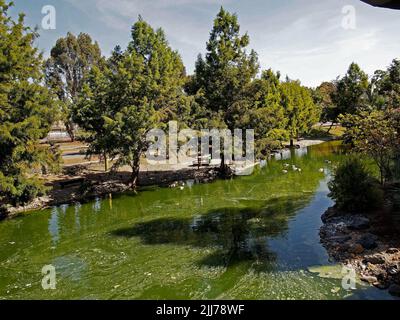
301,38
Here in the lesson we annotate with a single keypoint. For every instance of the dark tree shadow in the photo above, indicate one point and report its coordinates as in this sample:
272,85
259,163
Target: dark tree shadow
238,234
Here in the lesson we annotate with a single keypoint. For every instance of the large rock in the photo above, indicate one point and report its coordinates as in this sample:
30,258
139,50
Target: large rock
368,241
356,248
328,215
358,223
394,290
375,259
369,279
340,239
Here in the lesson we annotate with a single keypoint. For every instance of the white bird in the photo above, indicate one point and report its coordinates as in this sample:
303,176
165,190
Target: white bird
299,170
285,171
321,170
286,165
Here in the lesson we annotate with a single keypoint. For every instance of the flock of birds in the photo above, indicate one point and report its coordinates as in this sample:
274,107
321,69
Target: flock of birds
181,185
178,184
296,169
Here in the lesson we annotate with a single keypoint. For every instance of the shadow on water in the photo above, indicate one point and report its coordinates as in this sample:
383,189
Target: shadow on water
238,235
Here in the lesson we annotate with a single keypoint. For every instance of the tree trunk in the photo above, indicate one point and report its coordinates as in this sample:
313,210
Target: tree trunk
105,162
292,143
330,128
225,171
70,130
135,175
223,165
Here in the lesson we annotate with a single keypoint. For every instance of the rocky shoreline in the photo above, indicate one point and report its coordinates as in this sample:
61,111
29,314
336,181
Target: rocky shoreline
106,184
358,240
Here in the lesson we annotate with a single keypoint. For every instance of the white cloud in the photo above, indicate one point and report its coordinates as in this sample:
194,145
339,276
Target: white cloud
302,38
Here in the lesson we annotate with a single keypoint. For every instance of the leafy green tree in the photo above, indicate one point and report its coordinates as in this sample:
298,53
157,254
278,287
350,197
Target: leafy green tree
70,60
385,87
264,113
354,188
352,95
27,111
374,134
140,89
91,111
323,96
300,110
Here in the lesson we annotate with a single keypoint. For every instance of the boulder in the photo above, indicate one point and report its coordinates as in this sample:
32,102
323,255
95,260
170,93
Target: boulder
394,290
356,248
328,215
375,259
368,241
358,223
369,279
340,239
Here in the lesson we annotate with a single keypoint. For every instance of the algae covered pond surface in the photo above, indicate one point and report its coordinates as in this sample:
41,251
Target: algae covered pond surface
253,237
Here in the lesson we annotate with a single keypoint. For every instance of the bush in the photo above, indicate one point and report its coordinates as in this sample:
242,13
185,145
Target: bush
21,191
354,188
264,147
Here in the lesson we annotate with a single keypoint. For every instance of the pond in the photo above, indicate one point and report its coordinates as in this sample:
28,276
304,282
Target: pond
253,237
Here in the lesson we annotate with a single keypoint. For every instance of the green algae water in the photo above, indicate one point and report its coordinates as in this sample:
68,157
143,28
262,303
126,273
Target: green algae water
253,237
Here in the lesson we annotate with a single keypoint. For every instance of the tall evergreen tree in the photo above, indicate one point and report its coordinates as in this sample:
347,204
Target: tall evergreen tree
221,80
227,71
26,111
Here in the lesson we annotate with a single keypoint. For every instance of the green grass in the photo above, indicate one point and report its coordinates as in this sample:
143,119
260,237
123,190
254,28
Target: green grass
322,132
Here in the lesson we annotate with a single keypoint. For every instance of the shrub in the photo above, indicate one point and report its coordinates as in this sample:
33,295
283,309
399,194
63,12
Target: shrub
264,147
23,191
354,188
